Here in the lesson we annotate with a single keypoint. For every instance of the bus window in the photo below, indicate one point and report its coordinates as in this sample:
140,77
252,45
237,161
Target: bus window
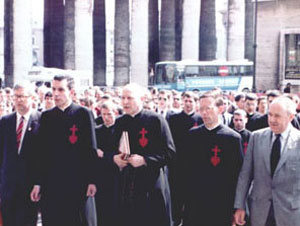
246,70
234,71
159,73
192,71
170,73
165,73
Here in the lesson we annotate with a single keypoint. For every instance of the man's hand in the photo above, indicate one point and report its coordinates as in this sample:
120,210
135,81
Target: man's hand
239,217
35,193
136,160
91,190
120,161
100,153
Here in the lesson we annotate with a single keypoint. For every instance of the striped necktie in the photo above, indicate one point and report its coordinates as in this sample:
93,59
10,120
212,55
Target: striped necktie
19,132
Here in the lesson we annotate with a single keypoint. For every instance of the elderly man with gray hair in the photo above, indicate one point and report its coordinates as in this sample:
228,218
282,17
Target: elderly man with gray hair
272,163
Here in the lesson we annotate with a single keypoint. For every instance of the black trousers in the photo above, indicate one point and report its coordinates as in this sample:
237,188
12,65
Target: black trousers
18,210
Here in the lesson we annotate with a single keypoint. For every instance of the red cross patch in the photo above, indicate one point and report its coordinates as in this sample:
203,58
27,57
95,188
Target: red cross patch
73,138
143,140
215,160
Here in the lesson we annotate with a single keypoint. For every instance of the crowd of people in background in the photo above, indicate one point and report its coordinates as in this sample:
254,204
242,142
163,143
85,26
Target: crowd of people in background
210,133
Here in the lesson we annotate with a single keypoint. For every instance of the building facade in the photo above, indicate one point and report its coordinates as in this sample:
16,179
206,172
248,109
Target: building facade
278,44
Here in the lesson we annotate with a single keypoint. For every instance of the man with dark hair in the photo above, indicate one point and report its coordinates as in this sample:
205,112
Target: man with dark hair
180,124
239,122
240,100
252,114
213,158
164,102
225,116
262,105
287,88
18,138
49,102
67,155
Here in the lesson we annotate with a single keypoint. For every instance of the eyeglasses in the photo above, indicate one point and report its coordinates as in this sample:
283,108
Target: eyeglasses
160,98
23,97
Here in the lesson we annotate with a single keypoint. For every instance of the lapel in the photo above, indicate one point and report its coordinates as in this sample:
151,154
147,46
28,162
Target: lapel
13,127
289,146
267,148
30,127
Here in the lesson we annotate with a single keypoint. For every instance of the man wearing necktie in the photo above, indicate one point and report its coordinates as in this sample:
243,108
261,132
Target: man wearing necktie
17,153
272,164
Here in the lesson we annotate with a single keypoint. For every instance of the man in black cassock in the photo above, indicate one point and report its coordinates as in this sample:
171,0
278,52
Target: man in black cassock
213,160
252,115
144,195
107,170
180,124
67,156
239,122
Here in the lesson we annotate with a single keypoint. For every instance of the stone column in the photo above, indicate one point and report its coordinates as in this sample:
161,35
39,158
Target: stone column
78,38
122,56
99,42
208,39
167,43
153,32
249,51
139,42
54,33
236,31
17,41
190,31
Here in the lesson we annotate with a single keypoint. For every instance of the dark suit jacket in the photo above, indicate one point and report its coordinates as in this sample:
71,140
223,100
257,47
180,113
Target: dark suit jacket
17,169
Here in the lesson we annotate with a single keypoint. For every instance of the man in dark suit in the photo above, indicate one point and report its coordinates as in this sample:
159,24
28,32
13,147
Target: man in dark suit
18,132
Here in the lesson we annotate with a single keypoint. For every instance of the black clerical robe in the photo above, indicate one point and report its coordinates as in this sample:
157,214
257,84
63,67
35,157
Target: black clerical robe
67,163
180,124
107,174
144,195
213,161
245,134
252,121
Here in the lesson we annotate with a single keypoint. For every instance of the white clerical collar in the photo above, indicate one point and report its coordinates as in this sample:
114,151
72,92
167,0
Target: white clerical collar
190,113
64,108
140,109
26,116
108,126
219,122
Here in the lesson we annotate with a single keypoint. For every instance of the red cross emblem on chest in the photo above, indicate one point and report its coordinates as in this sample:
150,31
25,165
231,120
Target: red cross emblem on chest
245,147
215,160
73,138
143,140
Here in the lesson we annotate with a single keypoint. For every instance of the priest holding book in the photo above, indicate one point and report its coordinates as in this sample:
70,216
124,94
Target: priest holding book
143,193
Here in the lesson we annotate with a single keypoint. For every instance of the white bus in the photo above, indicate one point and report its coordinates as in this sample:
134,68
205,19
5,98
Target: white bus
204,75
82,79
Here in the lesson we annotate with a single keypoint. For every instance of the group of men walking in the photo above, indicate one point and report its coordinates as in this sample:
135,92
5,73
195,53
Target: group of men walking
148,168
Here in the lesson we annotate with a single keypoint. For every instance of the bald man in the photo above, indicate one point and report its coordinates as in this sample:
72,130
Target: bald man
272,163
